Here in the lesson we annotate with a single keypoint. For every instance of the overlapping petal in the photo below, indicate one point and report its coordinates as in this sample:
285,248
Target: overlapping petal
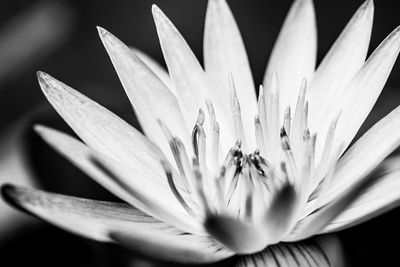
143,189
381,197
116,222
294,54
224,54
150,97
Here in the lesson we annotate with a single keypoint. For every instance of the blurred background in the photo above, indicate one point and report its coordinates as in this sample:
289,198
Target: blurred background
59,37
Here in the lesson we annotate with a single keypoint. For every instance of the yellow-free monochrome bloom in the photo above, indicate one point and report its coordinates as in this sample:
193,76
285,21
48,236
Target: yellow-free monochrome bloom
219,172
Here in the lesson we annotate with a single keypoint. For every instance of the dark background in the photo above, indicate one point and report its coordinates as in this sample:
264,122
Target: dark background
79,59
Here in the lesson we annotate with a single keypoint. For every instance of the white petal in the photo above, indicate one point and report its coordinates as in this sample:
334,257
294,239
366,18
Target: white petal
156,67
149,96
360,95
235,234
379,198
143,188
90,218
101,129
280,215
294,54
115,222
189,79
224,53
365,155
316,221
288,255
340,64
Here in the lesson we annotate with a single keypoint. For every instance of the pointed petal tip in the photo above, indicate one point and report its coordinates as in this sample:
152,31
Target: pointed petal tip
156,11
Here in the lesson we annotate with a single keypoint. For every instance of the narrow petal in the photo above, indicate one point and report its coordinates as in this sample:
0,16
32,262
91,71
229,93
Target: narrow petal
101,129
365,155
315,222
340,64
361,93
192,85
89,218
224,54
294,54
381,197
288,255
149,96
236,235
143,188
115,222
156,67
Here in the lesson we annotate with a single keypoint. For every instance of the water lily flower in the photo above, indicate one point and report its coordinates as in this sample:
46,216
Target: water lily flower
219,172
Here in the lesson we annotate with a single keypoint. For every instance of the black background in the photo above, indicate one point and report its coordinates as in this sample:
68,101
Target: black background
83,63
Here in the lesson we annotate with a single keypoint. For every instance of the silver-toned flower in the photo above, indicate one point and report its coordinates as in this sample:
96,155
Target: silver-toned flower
219,172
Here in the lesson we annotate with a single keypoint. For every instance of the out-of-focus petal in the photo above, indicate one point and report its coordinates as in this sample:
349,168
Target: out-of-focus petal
382,196
294,54
235,234
183,247
224,54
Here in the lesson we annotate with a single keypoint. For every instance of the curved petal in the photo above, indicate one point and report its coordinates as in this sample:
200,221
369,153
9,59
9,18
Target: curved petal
115,222
143,189
149,96
294,54
89,218
365,155
288,255
189,79
381,197
360,95
316,221
340,64
224,54
101,129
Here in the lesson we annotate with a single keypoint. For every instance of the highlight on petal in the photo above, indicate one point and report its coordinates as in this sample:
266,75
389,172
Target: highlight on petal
101,129
156,67
192,85
341,63
115,222
360,95
381,197
294,54
225,54
315,222
288,255
150,97
365,155
89,218
140,187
